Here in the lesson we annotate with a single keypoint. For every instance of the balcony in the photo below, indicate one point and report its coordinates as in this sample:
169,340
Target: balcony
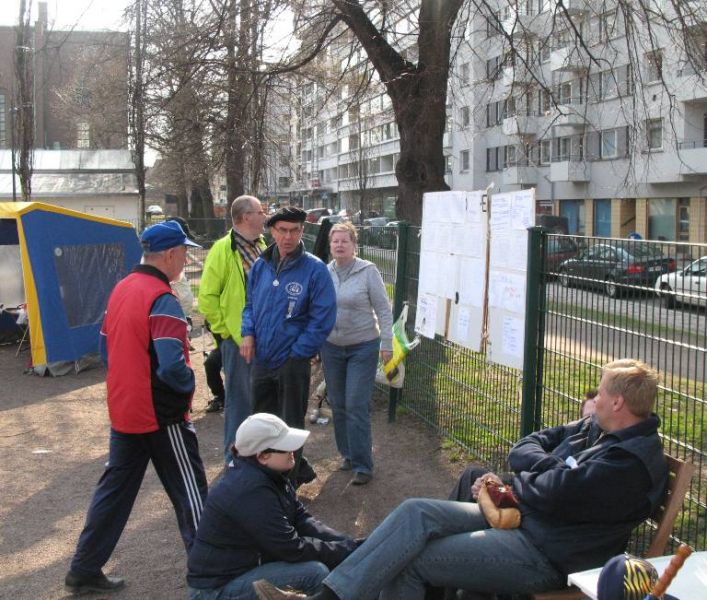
516,175
570,170
576,8
570,59
524,23
568,118
693,158
519,125
513,76
691,87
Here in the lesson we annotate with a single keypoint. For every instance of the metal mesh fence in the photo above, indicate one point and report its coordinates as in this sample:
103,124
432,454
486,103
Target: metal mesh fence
599,302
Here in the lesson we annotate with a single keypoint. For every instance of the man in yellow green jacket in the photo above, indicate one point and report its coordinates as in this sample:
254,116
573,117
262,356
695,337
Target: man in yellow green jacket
222,296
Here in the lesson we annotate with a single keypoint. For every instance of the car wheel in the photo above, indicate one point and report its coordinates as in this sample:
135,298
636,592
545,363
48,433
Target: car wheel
667,298
564,278
611,289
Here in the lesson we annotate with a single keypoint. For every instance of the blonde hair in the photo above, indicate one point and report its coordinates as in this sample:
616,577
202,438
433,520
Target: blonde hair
346,228
635,381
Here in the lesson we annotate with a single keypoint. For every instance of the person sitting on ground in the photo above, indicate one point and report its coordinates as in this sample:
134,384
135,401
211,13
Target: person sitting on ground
253,525
581,487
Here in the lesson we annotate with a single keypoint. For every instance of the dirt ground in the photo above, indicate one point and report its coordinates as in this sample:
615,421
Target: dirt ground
54,441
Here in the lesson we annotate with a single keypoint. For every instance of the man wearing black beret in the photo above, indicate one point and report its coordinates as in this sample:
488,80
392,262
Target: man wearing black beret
290,310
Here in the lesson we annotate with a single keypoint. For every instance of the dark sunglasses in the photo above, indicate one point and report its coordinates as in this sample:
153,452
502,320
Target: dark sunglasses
278,451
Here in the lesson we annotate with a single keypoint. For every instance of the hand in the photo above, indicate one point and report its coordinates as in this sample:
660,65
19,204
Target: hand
386,355
248,348
480,481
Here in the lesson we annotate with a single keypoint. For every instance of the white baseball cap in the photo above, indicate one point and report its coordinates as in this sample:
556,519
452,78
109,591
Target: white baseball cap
263,431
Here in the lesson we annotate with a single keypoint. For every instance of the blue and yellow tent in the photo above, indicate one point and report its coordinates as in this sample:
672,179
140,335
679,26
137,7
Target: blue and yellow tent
70,262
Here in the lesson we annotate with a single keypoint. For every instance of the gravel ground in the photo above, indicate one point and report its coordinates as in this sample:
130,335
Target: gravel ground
54,440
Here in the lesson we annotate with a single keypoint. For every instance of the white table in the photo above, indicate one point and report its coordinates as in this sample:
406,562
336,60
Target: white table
689,584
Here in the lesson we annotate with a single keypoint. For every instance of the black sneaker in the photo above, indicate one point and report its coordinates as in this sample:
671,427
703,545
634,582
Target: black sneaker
360,478
214,405
78,584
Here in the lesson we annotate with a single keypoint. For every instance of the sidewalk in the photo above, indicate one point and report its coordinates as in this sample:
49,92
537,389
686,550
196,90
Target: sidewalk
54,439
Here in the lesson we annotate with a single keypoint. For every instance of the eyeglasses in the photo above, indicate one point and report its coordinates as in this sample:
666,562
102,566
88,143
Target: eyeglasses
285,232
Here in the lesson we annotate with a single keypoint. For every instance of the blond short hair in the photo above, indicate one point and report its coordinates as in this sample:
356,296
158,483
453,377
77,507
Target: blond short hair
635,381
346,228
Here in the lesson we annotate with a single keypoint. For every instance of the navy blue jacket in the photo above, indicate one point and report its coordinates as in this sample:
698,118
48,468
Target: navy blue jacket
252,516
290,307
581,514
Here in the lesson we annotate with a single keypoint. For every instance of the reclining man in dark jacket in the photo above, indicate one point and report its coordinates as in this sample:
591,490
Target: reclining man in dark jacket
253,525
582,488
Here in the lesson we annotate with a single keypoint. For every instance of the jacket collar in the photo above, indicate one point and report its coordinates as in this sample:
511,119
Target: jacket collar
278,478
150,270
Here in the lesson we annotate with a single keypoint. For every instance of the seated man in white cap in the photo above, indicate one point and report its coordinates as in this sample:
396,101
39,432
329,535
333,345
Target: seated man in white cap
254,527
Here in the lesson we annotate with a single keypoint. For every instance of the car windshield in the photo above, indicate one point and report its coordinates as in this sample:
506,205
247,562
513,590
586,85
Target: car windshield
644,251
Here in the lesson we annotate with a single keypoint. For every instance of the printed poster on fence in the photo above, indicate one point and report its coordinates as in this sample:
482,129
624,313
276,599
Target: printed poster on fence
512,213
452,274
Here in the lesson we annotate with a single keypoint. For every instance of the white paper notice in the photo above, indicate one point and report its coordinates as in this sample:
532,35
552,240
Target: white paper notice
473,207
507,291
471,241
471,282
512,340
448,272
456,207
426,317
500,242
501,211
518,251
523,210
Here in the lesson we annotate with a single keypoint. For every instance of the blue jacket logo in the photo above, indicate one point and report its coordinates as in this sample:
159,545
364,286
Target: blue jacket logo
293,288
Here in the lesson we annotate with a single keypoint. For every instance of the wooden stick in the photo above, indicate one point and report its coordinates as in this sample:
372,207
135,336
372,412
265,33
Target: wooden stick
671,570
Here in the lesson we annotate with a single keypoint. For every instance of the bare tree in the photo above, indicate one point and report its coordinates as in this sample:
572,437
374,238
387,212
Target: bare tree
24,118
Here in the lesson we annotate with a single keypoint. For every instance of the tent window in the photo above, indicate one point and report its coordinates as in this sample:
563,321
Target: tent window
86,276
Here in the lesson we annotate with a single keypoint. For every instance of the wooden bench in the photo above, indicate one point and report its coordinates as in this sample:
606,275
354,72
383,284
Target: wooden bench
679,476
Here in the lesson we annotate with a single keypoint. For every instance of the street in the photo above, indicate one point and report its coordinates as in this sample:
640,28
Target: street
591,326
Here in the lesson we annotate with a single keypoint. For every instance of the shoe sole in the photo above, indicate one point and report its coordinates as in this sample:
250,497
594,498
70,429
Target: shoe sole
90,589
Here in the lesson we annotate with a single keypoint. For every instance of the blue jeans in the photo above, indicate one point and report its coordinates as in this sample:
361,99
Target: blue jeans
350,373
238,405
305,576
446,544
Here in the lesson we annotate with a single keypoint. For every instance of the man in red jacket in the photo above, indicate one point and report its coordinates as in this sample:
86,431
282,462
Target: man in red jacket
150,387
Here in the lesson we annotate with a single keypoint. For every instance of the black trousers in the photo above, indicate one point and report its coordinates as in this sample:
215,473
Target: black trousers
284,392
212,366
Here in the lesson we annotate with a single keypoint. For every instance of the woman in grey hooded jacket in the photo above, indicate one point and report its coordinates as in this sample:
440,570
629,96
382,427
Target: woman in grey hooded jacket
363,330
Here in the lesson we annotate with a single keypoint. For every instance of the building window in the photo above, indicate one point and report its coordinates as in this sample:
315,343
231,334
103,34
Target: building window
607,26
654,129
464,160
545,152
448,164
283,182
83,135
661,219
465,116
654,66
607,81
608,145
683,220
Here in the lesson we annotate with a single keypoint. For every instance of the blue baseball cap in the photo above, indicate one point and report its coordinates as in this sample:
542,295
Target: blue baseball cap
163,236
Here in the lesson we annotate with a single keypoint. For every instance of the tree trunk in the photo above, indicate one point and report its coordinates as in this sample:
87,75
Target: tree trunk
418,93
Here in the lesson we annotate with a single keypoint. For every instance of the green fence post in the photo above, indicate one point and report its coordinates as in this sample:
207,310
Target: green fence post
532,351
399,297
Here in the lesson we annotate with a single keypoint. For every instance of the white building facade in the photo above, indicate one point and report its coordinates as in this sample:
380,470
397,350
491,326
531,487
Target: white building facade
610,129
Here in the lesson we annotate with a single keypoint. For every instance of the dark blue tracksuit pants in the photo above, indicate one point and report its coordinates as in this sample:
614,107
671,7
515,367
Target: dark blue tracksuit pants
174,452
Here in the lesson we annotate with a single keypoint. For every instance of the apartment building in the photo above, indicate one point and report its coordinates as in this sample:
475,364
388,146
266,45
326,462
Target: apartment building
79,86
611,130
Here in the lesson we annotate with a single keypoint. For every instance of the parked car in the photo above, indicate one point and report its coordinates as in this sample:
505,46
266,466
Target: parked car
333,219
370,233
611,266
314,214
687,286
558,250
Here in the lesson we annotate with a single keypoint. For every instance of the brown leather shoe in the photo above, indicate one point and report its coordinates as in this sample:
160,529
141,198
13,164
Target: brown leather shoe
267,591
